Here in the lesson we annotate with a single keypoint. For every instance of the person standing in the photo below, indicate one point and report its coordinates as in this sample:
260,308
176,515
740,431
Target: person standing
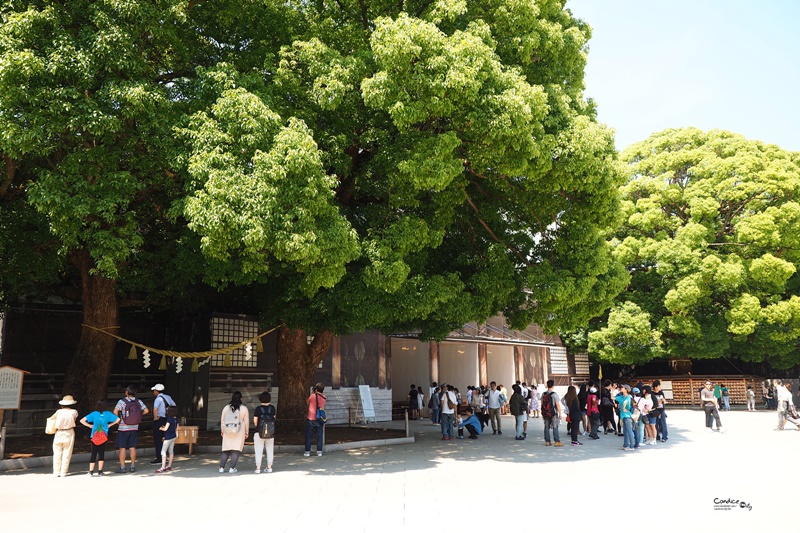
607,409
533,402
518,407
709,403
575,414
130,410
551,414
420,402
785,404
413,405
170,431
315,426
625,412
64,439
234,429
495,398
435,404
660,403
99,420
160,405
593,412
449,403
751,399
726,400
264,418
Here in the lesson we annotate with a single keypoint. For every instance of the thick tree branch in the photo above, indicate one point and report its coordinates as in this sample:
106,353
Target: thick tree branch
10,172
494,236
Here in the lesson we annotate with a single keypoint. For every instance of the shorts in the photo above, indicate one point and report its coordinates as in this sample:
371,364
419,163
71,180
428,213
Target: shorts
652,419
169,447
127,439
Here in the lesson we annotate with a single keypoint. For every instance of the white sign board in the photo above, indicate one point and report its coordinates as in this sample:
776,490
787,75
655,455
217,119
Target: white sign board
366,402
10,387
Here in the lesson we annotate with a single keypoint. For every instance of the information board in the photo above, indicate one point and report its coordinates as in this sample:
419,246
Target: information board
366,402
10,387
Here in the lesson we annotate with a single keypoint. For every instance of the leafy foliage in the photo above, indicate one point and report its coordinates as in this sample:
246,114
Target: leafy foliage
711,241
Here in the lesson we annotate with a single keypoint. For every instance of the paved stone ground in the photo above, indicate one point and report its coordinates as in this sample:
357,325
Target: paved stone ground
493,481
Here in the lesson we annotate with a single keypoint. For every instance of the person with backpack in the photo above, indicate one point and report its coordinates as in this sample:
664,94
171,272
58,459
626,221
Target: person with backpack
607,409
264,435
234,428
551,414
99,421
130,410
315,419
593,412
160,405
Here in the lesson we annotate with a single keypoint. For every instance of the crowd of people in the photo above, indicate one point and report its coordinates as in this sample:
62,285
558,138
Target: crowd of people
129,412
636,413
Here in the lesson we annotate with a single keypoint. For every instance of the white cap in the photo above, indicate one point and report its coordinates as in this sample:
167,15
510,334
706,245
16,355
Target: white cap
159,387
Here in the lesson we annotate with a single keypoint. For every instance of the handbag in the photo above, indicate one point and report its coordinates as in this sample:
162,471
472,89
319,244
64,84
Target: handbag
99,437
322,416
50,426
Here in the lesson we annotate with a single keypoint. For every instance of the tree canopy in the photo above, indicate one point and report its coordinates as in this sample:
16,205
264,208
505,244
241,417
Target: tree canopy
711,240
401,166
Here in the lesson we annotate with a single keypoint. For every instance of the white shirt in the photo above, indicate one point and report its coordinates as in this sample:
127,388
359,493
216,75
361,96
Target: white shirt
494,399
445,396
784,395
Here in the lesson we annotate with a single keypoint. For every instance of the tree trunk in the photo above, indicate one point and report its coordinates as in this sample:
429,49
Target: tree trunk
297,361
88,373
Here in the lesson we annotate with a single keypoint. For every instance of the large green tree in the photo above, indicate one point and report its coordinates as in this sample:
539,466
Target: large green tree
402,166
711,239
88,103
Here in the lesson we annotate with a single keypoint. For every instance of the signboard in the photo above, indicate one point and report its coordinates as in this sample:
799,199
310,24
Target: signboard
10,387
366,402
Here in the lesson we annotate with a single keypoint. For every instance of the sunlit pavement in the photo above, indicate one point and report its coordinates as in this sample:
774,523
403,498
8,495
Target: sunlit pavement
431,484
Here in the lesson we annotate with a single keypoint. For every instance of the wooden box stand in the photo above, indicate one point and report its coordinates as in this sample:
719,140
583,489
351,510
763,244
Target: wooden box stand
187,435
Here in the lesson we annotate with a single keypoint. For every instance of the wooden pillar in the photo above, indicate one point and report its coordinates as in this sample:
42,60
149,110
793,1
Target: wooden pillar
383,348
546,364
433,352
483,369
336,363
519,363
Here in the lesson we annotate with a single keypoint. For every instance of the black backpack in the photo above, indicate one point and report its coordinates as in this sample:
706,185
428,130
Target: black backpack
266,421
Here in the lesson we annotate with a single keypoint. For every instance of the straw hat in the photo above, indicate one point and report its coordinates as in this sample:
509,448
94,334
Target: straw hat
68,400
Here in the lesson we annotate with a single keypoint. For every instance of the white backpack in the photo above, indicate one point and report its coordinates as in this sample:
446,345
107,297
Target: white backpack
231,422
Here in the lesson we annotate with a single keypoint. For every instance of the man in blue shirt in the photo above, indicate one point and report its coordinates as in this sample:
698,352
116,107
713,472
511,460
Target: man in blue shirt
472,424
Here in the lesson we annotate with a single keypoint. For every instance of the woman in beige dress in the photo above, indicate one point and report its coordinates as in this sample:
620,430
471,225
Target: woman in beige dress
64,439
234,428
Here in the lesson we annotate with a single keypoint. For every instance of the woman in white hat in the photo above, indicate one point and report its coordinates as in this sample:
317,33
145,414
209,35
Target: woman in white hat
64,439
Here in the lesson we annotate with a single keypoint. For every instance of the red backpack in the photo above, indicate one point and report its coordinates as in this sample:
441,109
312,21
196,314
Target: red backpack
548,407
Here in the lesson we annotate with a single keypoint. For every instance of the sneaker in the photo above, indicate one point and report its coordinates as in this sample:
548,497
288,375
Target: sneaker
472,437
636,447
221,470
268,470
721,430
133,469
547,443
101,473
155,462
449,438
90,474
233,471
628,449
663,440
306,454
168,469
158,471
577,443
499,432
460,437
258,470
319,454
557,444
120,470
525,435
518,438
494,432
444,438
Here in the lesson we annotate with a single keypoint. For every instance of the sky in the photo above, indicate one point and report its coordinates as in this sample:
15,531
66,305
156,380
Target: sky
711,64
